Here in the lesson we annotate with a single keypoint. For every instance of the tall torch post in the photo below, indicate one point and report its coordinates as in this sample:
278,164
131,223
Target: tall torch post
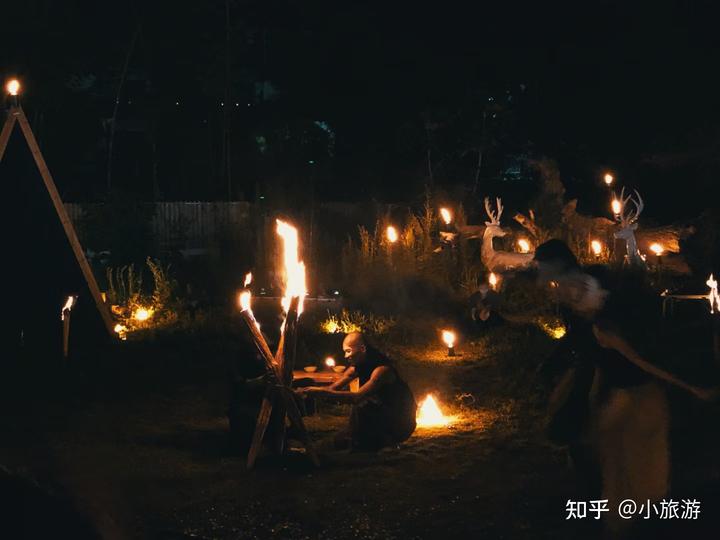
65,318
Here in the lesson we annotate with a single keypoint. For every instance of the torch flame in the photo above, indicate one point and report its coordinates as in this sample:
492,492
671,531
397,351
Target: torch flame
616,207
608,178
713,297
657,249
392,234
330,362
524,245
248,279
13,87
430,415
449,338
493,280
294,269
446,215
244,300
596,247
69,303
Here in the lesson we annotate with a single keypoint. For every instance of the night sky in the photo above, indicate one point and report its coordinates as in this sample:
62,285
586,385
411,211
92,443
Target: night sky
348,97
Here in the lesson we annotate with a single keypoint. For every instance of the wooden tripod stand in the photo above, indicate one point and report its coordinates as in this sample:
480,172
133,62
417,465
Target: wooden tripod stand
17,115
278,394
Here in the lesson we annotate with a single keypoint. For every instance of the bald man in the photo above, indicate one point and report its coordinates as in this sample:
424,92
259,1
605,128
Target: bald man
383,412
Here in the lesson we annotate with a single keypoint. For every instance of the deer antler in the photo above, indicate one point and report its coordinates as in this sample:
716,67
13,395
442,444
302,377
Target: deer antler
628,217
494,216
488,210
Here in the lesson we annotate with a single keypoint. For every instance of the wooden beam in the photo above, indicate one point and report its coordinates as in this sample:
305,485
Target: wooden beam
7,130
261,425
65,220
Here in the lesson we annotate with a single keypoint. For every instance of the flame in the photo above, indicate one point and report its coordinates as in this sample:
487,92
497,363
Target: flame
616,207
248,279
430,415
446,215
294,269
69,303
596,247
121,331
555,332
524,245
244,300
449,338
657,249
608,178
493,280
142,314
391,234
330,362
13,87
713,297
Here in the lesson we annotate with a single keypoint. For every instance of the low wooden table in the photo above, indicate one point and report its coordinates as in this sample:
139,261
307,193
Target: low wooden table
323,377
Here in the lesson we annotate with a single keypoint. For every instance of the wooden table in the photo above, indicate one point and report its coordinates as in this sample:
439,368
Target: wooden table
323,377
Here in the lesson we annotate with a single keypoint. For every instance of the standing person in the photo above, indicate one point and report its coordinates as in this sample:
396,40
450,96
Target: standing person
383,411
627,420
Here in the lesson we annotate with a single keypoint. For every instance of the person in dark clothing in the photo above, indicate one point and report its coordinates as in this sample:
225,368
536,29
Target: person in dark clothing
621,417
383,412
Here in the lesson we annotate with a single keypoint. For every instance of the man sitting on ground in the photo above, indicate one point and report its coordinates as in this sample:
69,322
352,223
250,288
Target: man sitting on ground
383,412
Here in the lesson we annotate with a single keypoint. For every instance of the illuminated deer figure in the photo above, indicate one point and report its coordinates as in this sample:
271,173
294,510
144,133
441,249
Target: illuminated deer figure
497,261
627,220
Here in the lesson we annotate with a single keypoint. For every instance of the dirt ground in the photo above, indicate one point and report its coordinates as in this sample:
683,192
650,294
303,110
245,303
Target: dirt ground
135,439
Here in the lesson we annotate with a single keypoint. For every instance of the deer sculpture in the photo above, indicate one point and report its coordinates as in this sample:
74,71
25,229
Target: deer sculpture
498,261
627,219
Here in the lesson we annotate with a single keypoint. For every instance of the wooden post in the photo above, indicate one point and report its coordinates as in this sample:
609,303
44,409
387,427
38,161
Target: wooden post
7,130
285,358
66,333
17,112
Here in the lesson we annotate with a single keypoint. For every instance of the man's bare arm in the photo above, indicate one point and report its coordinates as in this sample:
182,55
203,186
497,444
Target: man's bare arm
611,340
347,377
381,375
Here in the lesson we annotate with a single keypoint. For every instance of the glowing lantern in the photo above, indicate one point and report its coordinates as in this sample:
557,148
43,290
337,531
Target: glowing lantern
446,215
596,247
713,297
616,207
391,234
608,178
430,415
524,245
449,339
142,314
657,249
294,269
330,362
493,281
248,279
13,87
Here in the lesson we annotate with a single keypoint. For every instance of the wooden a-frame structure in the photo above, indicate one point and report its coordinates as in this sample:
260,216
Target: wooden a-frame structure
17,115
